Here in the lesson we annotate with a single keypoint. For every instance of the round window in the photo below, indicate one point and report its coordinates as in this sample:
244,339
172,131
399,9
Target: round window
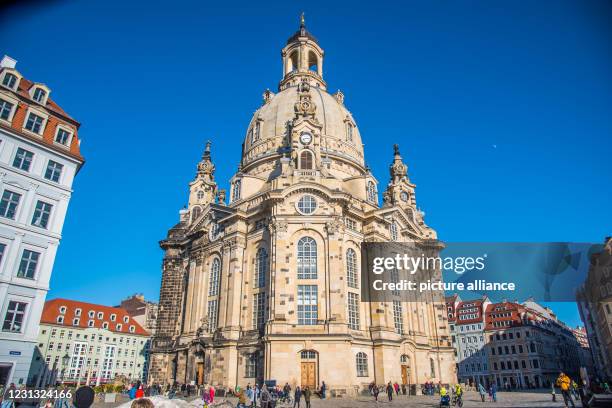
307,204
404,196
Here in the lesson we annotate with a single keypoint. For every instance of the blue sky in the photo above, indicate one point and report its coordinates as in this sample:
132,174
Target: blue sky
501,109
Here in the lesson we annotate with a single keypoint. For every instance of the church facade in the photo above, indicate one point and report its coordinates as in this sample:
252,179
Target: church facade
264,284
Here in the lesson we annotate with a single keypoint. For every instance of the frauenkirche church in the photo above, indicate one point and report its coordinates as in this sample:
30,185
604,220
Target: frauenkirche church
264,285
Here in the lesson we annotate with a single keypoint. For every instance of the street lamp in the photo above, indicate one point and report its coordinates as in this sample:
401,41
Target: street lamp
65,361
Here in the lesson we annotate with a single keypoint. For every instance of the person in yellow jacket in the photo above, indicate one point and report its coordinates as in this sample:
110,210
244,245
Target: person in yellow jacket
564,382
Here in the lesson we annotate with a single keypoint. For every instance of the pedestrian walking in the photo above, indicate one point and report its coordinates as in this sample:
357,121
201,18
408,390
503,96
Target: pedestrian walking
297,395
396,387
482,392
564,382
374,391
390,391
494,392
265,397
323,389
307,395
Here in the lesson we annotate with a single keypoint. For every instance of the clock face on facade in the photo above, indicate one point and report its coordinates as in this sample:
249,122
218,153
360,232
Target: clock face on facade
306,138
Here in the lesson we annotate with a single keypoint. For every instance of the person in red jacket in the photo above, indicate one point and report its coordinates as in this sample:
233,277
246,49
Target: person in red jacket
139,392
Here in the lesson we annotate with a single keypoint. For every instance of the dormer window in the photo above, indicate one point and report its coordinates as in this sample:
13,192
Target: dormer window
105,325
63,136
11,80
75,321
119,326
100,315
113,317
132,329
90,323
62,309
126,319
91,314
34,123
39,95
77,312
60,319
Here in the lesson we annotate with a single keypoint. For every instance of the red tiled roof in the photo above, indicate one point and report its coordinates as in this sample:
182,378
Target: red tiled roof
57,116
51,311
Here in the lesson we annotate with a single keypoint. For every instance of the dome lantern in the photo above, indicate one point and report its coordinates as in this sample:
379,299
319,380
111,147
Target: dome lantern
302,59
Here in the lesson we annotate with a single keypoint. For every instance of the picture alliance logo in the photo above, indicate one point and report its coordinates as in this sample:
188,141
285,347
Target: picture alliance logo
412,264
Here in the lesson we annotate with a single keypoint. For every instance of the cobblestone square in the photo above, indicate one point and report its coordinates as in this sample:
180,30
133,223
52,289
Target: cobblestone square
537,399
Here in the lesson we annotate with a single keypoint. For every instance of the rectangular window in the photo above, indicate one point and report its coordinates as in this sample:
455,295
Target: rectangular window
259,303
39,94
251,366
34,123
353,311
212,315
9,80
397,317
54,171
8,204
13,320
23,159
2,249
62,136
41,214
307,300
27,266
5,109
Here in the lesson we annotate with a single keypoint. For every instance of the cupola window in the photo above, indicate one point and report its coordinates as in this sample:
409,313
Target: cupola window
306,161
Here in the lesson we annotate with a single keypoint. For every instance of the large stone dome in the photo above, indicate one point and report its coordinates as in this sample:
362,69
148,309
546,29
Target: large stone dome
267,134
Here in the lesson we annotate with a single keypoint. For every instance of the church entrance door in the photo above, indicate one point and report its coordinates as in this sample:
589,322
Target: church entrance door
309,375
200,373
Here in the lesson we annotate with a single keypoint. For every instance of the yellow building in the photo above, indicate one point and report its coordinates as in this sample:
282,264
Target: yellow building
266,287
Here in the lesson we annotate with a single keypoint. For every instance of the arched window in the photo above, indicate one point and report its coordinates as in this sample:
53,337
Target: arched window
393,231
261,268
404,359
200,195
361,363
215,271
195,213
351,268
313,62
307,258
371,192
292,62
306,160
236,190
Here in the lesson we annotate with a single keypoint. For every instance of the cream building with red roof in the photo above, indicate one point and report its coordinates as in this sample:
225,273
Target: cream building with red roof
39,158
88,343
